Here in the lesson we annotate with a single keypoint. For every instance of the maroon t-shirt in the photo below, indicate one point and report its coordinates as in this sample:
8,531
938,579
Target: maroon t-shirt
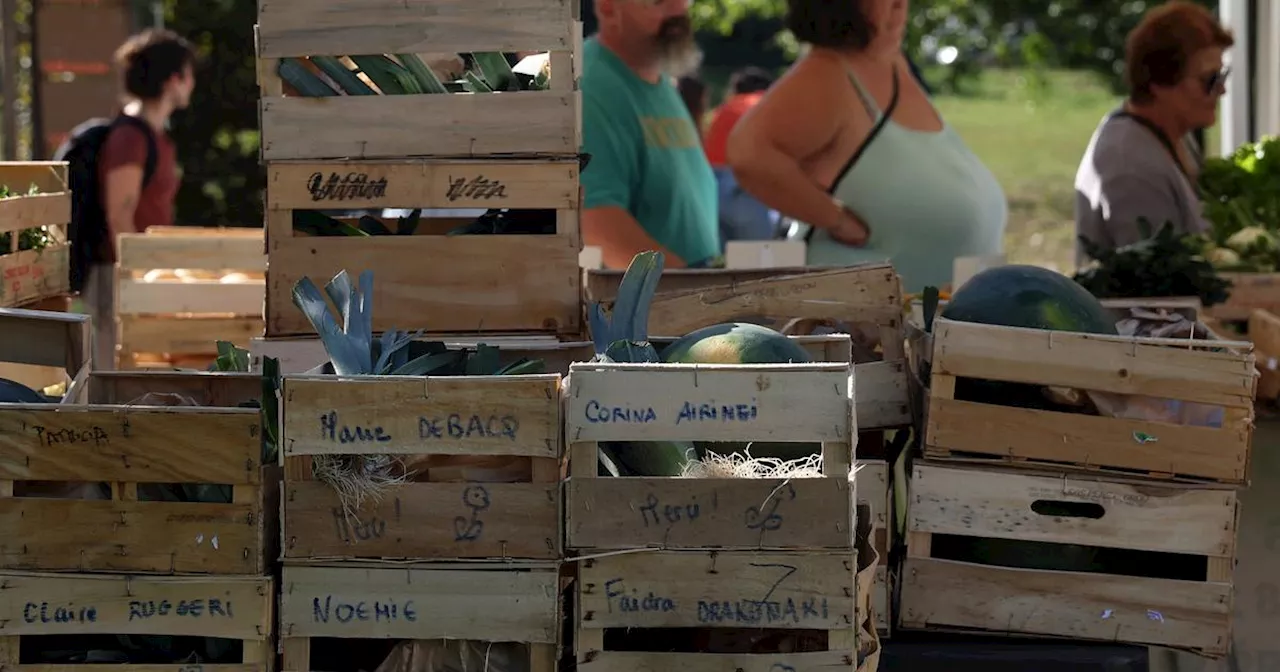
127,145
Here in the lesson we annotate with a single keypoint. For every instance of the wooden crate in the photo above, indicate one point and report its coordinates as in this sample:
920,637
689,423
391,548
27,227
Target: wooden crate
230,607
874,477
1249,292
869,297
164,318
687,402
437,283
1213,373
1264,331
942,588
205,388
128,448
40,348
32,275
486,603
716,611
488,416
526,122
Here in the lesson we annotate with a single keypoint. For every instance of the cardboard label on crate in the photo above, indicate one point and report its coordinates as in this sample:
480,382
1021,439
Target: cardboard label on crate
724,589
799,403
705,513
233,607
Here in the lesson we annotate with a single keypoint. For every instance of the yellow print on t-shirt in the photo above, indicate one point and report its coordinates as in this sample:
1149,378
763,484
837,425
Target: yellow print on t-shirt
669,132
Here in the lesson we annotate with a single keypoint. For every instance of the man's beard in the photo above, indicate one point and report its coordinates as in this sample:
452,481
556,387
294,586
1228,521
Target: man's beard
678,52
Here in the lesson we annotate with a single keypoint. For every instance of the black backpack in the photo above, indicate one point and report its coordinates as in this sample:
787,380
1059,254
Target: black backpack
88,229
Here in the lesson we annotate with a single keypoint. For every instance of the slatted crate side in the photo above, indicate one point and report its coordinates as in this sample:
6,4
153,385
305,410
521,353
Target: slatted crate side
205,388
464,283
493,603
418,418
1209,373
31,275
228,607
804,602
1249,292
873,479
413,125
683,402
45,450
945,588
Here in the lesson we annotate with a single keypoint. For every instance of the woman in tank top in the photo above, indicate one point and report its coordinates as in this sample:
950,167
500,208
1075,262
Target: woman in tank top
848,143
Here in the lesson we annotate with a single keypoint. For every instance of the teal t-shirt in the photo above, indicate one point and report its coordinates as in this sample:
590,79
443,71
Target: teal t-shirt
646,156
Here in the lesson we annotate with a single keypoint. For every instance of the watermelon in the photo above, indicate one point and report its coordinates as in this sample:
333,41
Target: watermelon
741,343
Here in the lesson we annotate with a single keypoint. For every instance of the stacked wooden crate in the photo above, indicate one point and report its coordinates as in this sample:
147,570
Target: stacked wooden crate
35,210
712,573
133,521
182,289
1042,522
345,154
442,555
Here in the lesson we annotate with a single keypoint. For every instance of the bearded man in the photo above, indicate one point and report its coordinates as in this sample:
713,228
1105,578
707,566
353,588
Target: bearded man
648,185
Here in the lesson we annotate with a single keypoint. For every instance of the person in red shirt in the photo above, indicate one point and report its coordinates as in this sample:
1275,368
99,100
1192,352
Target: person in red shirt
156,68
742,217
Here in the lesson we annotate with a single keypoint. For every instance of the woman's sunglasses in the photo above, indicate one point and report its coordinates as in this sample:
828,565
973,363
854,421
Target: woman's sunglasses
1213,80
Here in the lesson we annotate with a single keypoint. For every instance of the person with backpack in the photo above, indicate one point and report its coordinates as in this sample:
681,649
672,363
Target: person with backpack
123,171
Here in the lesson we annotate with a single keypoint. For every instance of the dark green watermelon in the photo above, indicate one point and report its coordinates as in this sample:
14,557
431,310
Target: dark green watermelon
741,343
1030,297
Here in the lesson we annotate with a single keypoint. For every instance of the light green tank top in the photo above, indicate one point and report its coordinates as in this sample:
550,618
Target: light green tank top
927,199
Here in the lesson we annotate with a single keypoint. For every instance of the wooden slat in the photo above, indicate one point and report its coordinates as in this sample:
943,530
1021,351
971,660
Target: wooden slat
462,415
684,513
442,284
657,402
46,176
461,125
544,184
233,607
317,27
1249,291
144,252
136,445
998,504
632,661
45,338
30,275
601,285
1099,363
881,396
185,335
136,297
1178,614
727,590
30,212
517,606
426,520
206,388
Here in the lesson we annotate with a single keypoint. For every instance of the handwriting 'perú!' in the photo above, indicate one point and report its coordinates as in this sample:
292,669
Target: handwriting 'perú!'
690,411
478,188
349,187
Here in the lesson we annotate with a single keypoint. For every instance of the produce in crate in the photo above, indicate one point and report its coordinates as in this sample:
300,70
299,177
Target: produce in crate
28,239
1166,264
1242,192
741,343
623,336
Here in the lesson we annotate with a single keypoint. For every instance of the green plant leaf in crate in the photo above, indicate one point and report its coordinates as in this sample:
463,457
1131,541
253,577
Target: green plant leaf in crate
390,77
495,70
294,73
427,79
342,76
475,84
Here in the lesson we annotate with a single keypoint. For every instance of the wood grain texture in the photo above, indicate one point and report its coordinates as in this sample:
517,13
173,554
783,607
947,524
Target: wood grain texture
426,520
486,605
438,284
206,388
234,607
136,297
186,335
765,402
134,445
629,661
331,27
35,210
203,251
31,275
689,513
417,415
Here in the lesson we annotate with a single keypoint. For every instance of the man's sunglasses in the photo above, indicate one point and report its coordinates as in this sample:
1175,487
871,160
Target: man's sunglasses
1212,80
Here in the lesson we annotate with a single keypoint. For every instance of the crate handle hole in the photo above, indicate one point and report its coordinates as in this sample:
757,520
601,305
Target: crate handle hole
1060,509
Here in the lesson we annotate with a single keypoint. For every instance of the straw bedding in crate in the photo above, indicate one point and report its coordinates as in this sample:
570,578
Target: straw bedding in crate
421,467
440,124
507,614
527,280
1014,552
69,615
1214,376
84,487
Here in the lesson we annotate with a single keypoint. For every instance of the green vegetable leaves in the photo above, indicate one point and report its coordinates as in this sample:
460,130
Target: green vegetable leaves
1166,265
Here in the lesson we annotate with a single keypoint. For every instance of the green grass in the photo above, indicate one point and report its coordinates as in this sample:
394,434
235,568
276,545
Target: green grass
1031,132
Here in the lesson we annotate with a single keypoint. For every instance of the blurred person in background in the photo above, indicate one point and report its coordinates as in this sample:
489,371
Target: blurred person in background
648,185
124,171
1140,162
742,216
696,99
848,143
